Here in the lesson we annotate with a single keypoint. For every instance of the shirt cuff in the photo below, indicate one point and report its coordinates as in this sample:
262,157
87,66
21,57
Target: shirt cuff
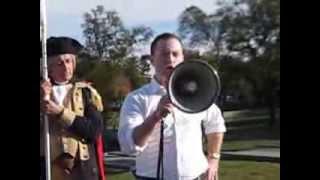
135,149
67,117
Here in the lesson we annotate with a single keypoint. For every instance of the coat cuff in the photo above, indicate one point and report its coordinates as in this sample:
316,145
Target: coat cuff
67,117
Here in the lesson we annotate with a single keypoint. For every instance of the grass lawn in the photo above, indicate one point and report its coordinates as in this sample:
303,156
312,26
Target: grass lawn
231,170
120,176
249,170
249,144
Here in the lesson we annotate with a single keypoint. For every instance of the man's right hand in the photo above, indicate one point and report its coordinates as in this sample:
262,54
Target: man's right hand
165,107
142,132
45,90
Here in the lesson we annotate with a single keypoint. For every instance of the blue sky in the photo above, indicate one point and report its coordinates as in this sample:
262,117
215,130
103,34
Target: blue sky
64,17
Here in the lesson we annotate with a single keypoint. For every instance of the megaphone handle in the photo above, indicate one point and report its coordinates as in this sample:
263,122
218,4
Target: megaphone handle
160,156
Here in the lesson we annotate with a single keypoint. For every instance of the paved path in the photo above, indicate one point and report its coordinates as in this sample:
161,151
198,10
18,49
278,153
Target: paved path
268,152
258,154
117,160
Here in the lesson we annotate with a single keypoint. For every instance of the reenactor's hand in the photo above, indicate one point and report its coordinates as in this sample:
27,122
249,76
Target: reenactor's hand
45,90
51,108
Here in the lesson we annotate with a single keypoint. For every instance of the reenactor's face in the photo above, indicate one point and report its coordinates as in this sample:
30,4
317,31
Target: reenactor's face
61,67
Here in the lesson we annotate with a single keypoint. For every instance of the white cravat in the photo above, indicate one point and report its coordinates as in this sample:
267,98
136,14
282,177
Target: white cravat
59,93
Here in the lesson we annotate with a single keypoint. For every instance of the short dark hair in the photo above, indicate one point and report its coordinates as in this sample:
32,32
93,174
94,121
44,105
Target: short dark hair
164,36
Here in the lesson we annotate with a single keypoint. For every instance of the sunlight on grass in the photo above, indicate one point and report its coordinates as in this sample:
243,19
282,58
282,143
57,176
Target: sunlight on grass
231,170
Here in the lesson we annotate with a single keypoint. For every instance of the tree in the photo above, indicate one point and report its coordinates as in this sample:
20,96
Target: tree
109,61
107,38
202,30
243,36
253,33
206,32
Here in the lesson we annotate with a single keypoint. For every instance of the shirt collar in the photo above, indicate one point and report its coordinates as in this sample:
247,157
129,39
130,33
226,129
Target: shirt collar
156,88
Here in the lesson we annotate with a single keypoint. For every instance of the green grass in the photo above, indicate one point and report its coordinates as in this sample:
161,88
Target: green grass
249,170
122,176
248,144
231,170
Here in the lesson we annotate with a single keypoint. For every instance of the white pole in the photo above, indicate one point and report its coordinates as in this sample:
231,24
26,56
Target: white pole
43,25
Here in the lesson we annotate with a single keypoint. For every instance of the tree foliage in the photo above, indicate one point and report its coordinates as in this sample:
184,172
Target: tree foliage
110,61
243,37
107,38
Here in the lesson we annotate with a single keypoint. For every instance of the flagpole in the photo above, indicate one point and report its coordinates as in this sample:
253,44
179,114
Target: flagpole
43,28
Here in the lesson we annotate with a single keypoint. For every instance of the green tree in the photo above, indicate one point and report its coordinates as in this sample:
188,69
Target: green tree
107,38
113,45
253,33
110,61
243,36
199,29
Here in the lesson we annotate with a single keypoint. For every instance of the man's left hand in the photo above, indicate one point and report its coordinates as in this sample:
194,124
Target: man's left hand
212,172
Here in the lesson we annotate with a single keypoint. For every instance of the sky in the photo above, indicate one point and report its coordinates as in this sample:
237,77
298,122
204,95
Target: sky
64,17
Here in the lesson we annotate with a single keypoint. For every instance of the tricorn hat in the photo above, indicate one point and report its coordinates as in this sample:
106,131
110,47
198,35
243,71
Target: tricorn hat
61,45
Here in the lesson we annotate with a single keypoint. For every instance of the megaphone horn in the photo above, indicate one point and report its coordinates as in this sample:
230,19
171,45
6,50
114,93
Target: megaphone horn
193,86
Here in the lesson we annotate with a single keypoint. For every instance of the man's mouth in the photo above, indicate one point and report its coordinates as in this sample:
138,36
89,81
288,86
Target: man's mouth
169,67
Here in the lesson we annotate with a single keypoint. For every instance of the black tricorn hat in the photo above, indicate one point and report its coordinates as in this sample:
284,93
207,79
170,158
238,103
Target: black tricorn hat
61,45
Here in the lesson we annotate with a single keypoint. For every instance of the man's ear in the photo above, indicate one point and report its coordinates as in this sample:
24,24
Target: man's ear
152,60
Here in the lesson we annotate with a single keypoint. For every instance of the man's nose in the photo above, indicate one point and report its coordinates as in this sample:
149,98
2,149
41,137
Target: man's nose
171,57
169,60
64,64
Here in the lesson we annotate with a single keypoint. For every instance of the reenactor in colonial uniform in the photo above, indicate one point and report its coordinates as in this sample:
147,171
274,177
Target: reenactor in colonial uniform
74,116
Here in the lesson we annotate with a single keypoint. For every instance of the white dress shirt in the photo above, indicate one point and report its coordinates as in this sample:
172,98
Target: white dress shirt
183,156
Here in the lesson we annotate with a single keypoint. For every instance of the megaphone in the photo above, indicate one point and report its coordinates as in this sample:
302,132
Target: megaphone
193,86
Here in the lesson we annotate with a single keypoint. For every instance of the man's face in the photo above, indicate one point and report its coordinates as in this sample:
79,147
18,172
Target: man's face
61,67
168,53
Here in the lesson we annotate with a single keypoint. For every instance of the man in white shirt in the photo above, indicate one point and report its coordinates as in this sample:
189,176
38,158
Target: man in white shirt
142,111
